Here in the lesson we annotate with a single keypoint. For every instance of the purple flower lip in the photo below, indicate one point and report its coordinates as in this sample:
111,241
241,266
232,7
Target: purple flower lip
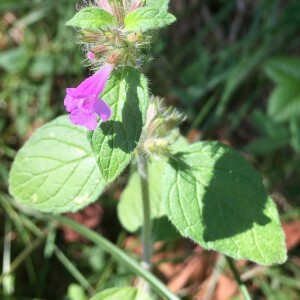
84,103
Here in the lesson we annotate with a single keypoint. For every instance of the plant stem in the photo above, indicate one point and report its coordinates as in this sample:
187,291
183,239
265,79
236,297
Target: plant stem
119,255
147,225
8,286
238,279
73,270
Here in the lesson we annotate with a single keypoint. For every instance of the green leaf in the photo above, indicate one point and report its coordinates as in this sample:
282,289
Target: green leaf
295,134
239,74
159,4
145,18
274,135
14,60
216,198
76,292
267,145
121,293
164,230
130,210
284,69
56,171
92,18
267,126
284,103
119,255
114,141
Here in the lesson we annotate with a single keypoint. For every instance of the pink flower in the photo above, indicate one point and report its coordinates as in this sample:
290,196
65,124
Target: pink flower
83,102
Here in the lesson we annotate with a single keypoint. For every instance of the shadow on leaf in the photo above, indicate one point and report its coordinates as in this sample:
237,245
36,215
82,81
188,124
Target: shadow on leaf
230,193
125,128
233,201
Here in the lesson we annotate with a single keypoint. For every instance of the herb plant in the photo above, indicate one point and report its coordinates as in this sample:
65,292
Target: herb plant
208,191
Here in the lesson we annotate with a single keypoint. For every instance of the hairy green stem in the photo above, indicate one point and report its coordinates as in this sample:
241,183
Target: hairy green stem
119,255
238,279
147,224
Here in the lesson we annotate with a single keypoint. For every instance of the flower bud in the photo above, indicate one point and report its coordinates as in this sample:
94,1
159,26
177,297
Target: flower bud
114,58
135,5
114,43
90,55
161,120
105,5
132,37
156,146
89,37
99,50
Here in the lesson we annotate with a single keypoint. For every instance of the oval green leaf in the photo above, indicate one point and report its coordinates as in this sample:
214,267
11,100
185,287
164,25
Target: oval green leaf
284,69
113,142
144,19
216,198
92,18
159,4
284,103
56,170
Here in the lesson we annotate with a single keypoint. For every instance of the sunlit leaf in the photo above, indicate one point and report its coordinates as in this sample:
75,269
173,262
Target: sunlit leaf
56,171
145,18
216,198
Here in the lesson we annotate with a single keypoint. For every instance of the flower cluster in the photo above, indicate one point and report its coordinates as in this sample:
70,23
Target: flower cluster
103,43
105,48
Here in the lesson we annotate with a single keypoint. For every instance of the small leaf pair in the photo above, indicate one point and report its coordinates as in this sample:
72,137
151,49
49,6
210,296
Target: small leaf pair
151,17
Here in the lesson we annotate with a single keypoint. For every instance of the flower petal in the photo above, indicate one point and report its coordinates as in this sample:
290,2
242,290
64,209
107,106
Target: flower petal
83,101
87,120
72,92
102,109
70,103
87,104
94,84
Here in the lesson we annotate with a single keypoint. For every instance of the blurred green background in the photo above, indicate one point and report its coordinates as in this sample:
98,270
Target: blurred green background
233,67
